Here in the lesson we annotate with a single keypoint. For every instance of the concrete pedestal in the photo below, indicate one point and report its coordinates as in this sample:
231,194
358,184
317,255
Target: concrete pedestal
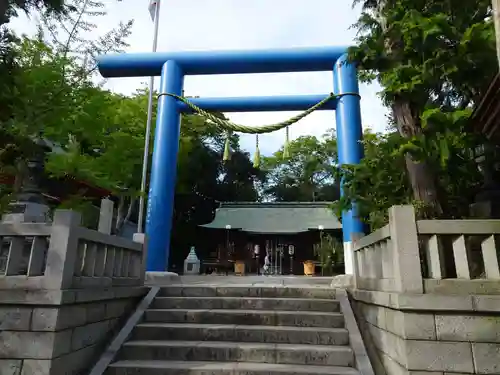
161,278
27,212
342,281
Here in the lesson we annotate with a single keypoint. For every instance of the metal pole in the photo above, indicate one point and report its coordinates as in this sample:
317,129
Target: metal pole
145,161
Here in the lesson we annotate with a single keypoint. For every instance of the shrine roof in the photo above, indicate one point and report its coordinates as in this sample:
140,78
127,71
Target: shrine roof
275,217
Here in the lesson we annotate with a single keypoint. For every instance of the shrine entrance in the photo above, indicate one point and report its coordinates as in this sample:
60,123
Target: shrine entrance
245,233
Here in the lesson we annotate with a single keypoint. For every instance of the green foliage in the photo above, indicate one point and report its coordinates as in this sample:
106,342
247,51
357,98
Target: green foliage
434,60
49,95
97,136
307,174
9,68
10,8
329,252
43,97
105,146
83,205
73,33
381,179
428,51
378,182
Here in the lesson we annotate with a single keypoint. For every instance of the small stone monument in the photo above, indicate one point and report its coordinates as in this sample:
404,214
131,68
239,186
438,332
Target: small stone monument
192,263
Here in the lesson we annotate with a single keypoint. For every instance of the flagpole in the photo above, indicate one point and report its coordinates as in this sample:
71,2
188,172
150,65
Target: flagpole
142,198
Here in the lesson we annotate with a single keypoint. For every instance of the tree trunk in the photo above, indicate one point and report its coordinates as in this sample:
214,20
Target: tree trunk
119,215
121,219
422,179
496,18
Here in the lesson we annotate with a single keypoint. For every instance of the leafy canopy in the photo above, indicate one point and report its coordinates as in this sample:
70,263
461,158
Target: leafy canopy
307,175
434,60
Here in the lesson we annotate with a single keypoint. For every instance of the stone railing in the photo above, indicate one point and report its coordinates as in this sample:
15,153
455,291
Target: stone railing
65,291
463,236
63,255
373,261
418,256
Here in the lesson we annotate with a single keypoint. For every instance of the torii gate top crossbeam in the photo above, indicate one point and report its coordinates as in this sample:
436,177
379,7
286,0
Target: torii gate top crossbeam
222,62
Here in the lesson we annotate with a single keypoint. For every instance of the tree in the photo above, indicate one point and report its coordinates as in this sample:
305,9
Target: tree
8,65
33,115
61,66
433,59
496,17
112,158
9,8
307,175
102,134
378,182
107,150
99,135
70,33
68,24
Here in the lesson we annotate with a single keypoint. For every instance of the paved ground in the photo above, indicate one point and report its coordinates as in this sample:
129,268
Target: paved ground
255,280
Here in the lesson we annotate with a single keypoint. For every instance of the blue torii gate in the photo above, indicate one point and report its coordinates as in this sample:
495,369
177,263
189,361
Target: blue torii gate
175,65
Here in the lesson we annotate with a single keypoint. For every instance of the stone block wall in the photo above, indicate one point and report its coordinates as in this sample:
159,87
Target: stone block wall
430,334
60,332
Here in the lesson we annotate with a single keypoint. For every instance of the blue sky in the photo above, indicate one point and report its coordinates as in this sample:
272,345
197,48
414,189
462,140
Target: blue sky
239,24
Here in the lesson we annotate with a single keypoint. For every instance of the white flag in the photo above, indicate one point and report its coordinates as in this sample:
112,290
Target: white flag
152,8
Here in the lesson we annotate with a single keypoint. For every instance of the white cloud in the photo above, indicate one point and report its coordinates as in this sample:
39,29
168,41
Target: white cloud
238,24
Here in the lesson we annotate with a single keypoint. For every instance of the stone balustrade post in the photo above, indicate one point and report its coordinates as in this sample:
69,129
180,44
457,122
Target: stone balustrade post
406,256
142,239
355,263
62,251
106,216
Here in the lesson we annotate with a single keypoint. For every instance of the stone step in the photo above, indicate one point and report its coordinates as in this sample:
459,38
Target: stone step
299,318
241,333
248,303
247,291
321,355
220,368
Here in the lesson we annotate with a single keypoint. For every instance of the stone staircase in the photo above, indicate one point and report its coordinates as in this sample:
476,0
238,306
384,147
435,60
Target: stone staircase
238,331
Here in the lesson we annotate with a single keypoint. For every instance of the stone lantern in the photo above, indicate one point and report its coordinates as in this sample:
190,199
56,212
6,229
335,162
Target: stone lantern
30,206
192,263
